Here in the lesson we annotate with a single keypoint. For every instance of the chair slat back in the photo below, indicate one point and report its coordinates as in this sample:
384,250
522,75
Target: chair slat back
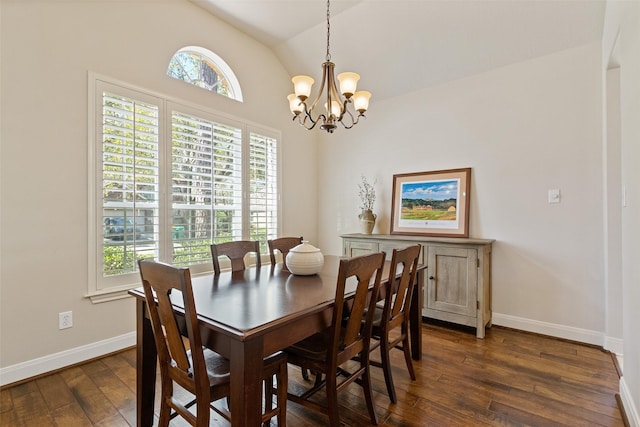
284,245
350,336
159,281
235,251
397,309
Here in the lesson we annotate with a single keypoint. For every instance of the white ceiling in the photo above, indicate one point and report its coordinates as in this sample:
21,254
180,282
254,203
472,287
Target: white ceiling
399,46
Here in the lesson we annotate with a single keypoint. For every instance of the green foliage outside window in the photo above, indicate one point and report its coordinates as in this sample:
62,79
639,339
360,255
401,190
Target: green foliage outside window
119,260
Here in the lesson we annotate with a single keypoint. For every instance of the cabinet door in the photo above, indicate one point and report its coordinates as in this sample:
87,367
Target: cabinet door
452,280
352,249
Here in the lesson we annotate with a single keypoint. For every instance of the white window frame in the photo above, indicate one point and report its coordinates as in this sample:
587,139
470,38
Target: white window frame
101,289
224,70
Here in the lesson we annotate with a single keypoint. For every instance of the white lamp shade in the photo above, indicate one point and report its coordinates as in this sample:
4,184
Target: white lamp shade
348,83
336,108
302,86
294,104
361,100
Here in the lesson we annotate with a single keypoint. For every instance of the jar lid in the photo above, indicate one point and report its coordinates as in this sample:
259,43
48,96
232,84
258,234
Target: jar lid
304,247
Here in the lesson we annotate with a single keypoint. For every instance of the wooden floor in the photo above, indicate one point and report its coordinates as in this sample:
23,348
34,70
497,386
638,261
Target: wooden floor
509,378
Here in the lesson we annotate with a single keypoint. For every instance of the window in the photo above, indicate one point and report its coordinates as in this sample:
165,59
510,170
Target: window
206,186
263,199
171,179
130,165
203,68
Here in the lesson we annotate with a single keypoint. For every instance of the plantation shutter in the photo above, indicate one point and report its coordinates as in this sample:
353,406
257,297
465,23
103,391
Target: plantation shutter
263,190
206,186
130,161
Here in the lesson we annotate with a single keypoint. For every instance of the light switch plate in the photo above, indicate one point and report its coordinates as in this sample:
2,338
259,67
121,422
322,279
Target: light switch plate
554,195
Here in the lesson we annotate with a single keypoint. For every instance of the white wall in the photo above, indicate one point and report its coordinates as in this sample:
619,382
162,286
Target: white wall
612,161
621,46
47,50
523,129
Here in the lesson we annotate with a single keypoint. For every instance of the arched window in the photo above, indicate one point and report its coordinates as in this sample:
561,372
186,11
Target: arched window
203,68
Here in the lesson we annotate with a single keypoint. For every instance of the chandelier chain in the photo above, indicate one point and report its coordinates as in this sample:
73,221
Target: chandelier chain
328,32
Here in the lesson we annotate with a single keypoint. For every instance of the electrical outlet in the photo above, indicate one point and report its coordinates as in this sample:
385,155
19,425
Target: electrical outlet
554,196
65,320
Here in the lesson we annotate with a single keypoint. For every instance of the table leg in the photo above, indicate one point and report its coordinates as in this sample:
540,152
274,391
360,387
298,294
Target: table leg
415,314
246,382
146,359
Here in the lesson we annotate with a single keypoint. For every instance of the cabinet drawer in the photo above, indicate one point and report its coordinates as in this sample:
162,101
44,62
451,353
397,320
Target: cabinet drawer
352,249
388,247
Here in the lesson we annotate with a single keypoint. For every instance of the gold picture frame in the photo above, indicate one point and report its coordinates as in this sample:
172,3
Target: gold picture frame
431,203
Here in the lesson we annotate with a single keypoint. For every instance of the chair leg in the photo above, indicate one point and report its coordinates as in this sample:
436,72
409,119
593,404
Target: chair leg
165,414
318,380
165,408
203,415
366,387
305,374
268,397
407,356
386,367
332,400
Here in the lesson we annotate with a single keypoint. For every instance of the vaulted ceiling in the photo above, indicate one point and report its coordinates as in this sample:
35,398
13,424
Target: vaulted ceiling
399,46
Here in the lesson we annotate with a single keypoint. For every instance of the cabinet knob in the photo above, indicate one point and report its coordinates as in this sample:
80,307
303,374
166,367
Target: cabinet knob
432,278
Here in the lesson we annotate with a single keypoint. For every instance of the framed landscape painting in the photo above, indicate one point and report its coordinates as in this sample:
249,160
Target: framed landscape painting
431,203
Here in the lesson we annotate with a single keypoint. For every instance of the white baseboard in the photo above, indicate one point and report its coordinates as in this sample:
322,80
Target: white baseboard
614,345
629,408
559,331
52,362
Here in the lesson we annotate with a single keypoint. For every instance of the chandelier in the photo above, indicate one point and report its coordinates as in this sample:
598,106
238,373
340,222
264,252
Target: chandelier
337,106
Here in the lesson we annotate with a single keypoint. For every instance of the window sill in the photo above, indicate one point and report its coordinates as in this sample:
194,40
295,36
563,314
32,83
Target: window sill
110,295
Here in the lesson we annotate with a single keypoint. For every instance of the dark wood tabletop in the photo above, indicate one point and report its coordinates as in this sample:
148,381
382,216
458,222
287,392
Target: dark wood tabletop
246,316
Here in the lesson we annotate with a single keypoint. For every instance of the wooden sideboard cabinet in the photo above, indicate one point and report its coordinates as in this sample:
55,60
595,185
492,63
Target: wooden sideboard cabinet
457,281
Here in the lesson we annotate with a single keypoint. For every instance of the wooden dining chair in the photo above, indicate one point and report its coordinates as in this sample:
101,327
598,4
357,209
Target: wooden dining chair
346,338
200,371
395,314
283,245
236,252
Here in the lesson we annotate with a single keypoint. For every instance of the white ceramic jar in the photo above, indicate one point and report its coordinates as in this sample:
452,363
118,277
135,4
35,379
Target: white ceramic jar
305,259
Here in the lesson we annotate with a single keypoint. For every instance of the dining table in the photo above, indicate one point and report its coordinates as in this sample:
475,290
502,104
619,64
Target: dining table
248,315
